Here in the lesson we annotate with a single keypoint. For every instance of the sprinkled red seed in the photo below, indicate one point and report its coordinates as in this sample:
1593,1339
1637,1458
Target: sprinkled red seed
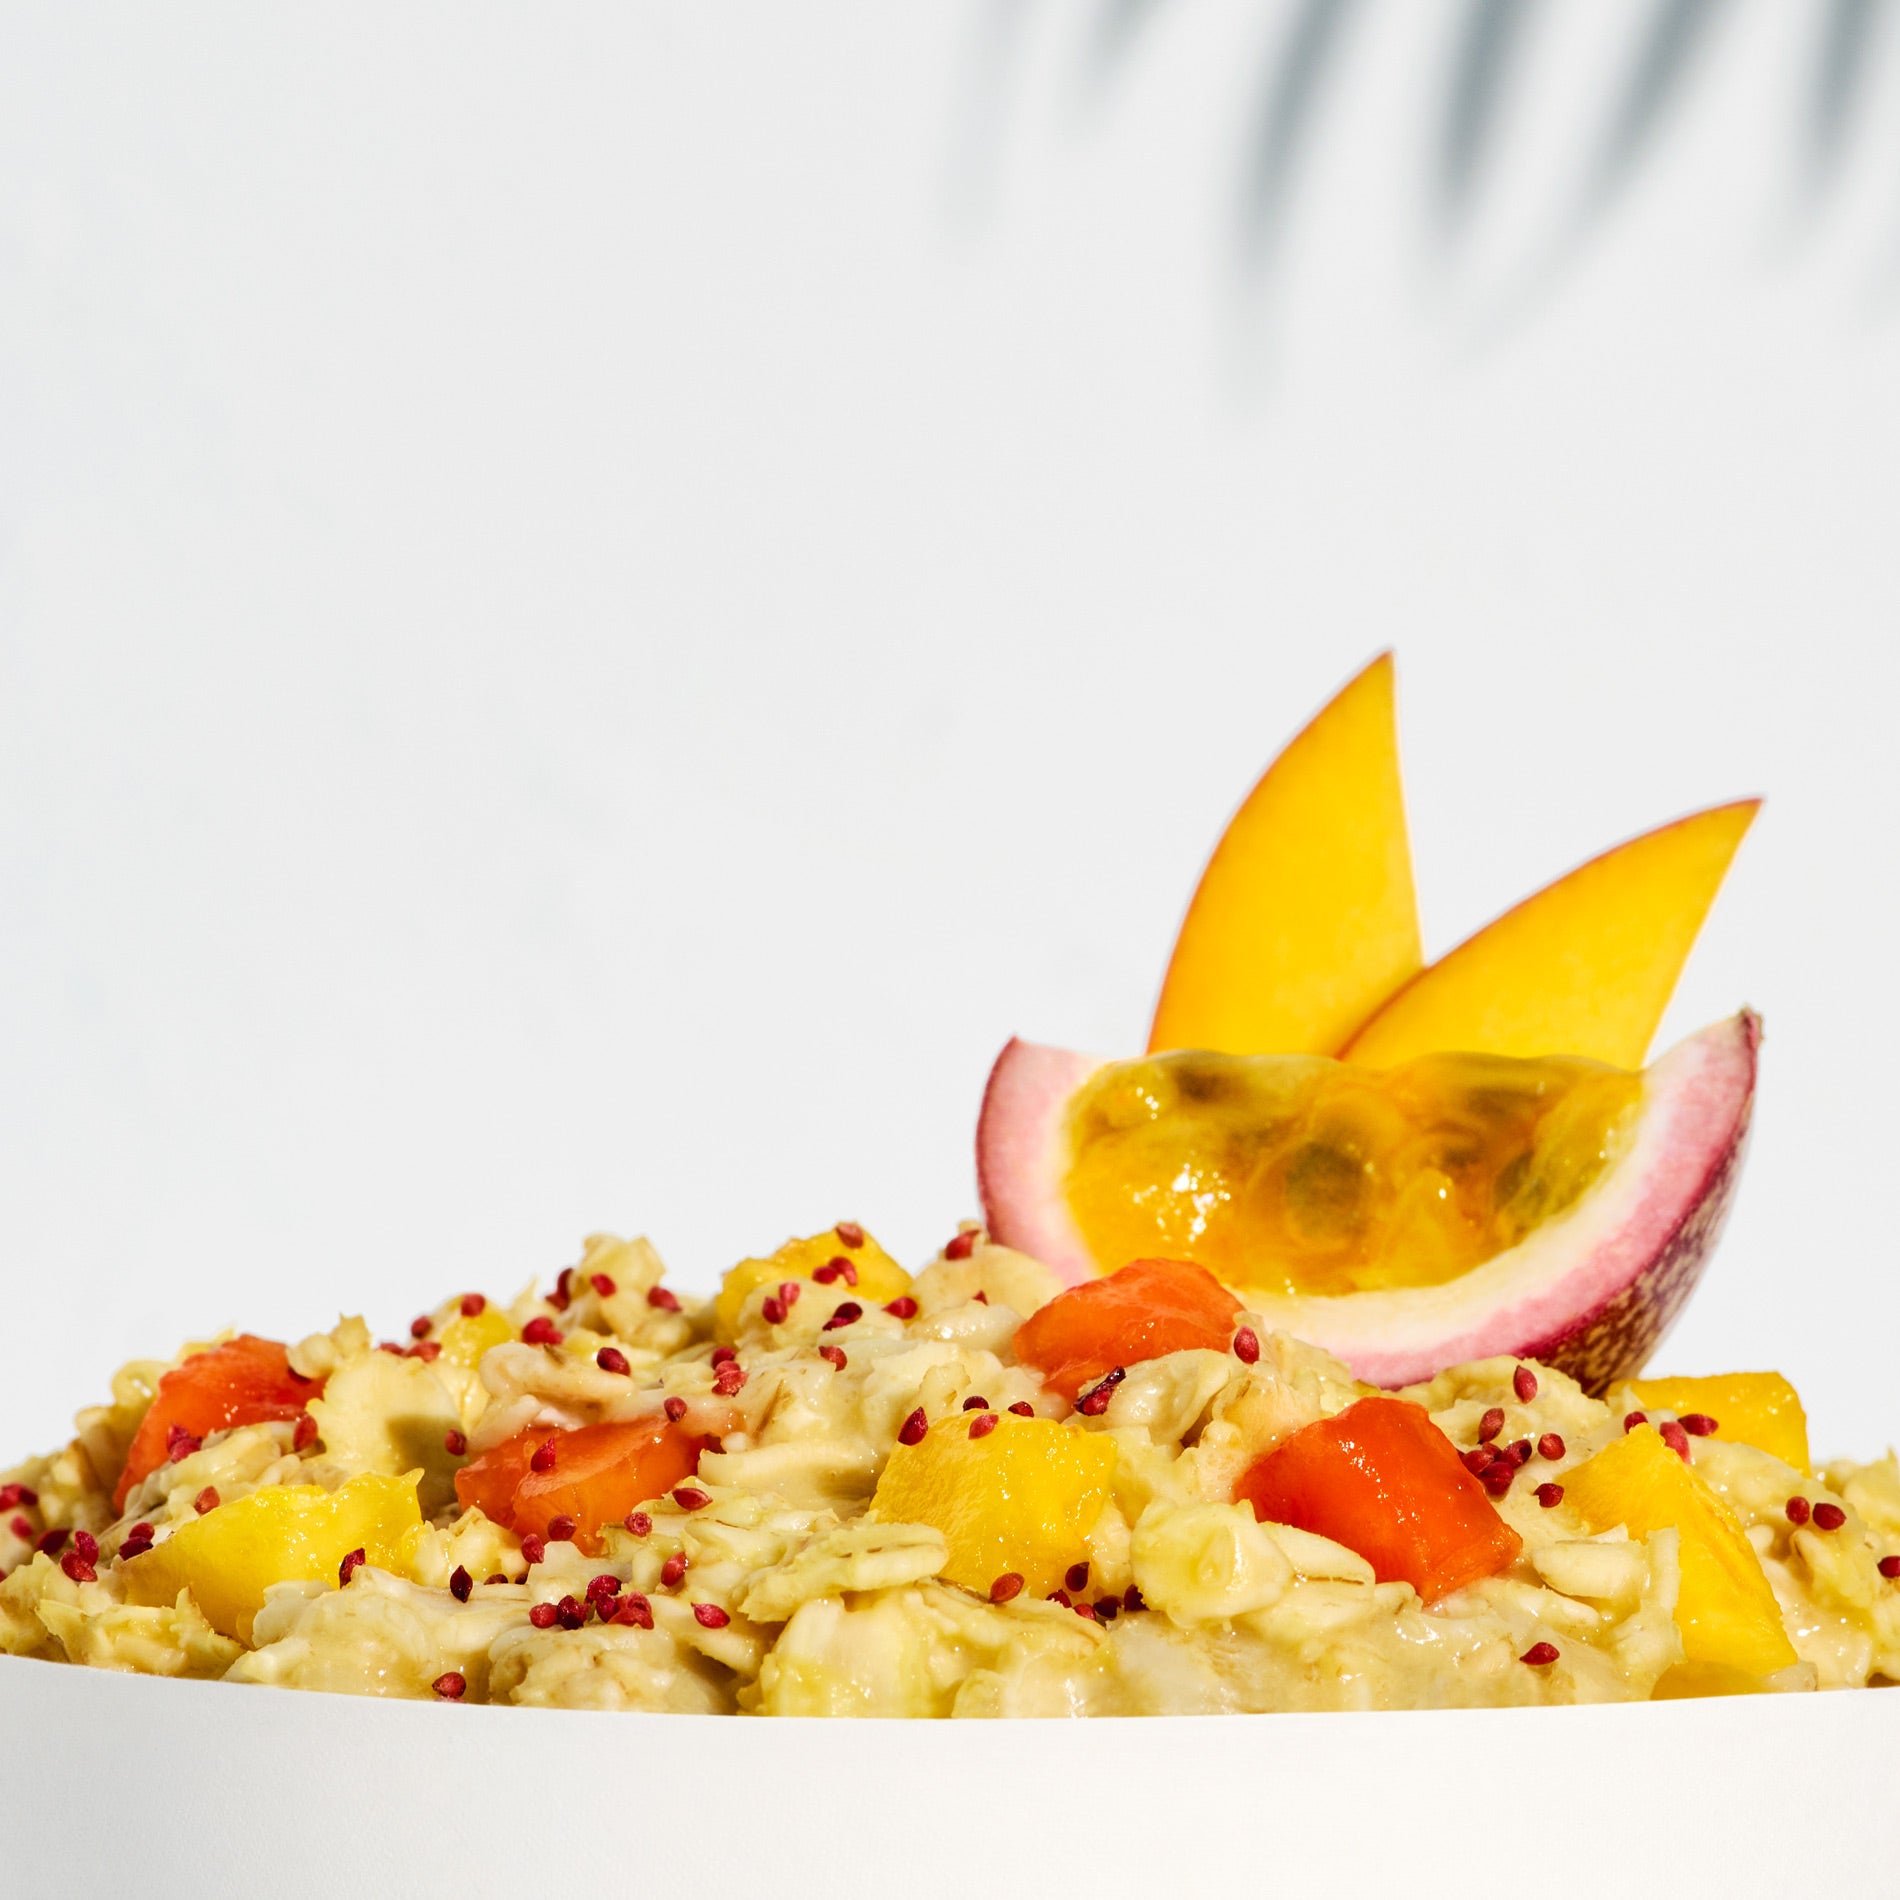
427,1350
1524,1384
1551,1445
12,1496
52,1543
1247,1346
1023,1409
612,1359
980,1297
603,1586
1108,1608
180,1444
1889,1567
638,1523
500,1576
543,1456
1540,1655
421,1326
1496,1476
138,1540
1798,1510
912,1430
87,1545
983,1424
729,1378
845,1313
561,1529
1829,1517
833,1356
542,1331
1490,1424
206,1500
850,1233
1633,1419
1096,1402
667,1302
460,1584
304,1433
634,1612
20,1526
392,1346
1697,1424
673,1569
77,1568
773,1311
903,1307
1478,1460
1008,1585
974,1403
1076,1577
1062,1597
350,1565
721,1356
564,1284
543,1616
1675,1438
454,1442
474,1304
835,1269
1132,1599
961,1247
789,1291
604,1284
571,1611
451,1685
1084,1610
534,1548
1550,1495
709,1616
689,1499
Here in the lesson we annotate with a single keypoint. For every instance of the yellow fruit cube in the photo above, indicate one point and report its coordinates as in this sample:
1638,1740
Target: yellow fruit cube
1020,1496
1726,1610
468,1335
874,1276
229,1557
1753,1408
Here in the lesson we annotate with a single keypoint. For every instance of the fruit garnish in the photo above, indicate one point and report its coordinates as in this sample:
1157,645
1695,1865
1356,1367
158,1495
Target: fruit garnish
1013,1497
1726,1609
1141,1311
1751,1408
245,1381
1305,921
283,1533
845,1259
1601,1210
1383,1480
1586,967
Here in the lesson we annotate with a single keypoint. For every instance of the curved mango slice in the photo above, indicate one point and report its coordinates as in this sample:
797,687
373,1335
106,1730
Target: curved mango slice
1752,1408
1305,920
1584,968
1020,1496
229,1557
853,1266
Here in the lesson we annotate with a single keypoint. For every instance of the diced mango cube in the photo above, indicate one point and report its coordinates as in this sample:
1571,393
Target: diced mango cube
1753,1408
229,1557
873,1277
1726,1609
1021,1497
468,1335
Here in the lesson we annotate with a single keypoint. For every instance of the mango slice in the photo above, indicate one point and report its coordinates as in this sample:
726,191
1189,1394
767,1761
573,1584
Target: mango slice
874,1277
1752,1408
1305,920
284,1532
1584,968
1021,1496
1726,1610
468,1335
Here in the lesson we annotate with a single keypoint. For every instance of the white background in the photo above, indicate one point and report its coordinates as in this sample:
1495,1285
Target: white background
597,604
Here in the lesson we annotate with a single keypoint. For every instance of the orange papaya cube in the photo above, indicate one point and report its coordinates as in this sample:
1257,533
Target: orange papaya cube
1752,1408
1725,1608
487,1483
600,1472
1141,1311
246,1381
1383,1480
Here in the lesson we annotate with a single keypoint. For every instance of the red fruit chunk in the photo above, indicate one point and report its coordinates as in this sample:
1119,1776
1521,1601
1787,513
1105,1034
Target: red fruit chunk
243,1382
1148,1308
1383,1480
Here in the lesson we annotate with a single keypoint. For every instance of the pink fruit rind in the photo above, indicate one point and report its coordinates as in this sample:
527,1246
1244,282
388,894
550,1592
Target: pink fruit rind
1591,1292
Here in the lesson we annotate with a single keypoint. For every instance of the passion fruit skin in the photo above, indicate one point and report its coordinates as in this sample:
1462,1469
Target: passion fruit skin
1591,1292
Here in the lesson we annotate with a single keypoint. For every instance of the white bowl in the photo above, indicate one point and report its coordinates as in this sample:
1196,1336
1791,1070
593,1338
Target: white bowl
206,1789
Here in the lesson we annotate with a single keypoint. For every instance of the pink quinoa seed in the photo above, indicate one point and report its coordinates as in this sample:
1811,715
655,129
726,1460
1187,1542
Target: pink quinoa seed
571,1612
690,1499
543,1616
1550,1446
983,1424
1247,1346
790,1291
1023,1409
729,1379
903,1307
206,1500
638,1523
833,1356
1062,1597
542,1331
612,1359
87,1546
350,1565
911,1432
1076,1577
845,1313
773,1311
603,1586
451,1685
454,1442
1540,1655
709,1616
976,1403
1829,1517
1008,1585
180,1444
1697,1424
1550,1495
1490,1424
1524,1384
77,1568
427,1350
674,1569
721,1356
1798,1510
634,1612
604,1284
960,1246
1084,1610
1675,1438
534,1549
542,1458
675,1409
1478,1460
849,1233
474,1305
664,1299
1633,1419
561,1529
461,1584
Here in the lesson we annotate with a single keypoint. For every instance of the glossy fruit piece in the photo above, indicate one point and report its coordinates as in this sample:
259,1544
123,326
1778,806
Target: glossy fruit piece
468,1335
1584,968
1590,1291
487,1482
1752,1408
1141,1311
600,1472
245,1381
229,1557
1020,1497
874,1276
1725,1610
1383,1480
1305,920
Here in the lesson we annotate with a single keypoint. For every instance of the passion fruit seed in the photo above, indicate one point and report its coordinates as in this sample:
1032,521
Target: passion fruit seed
1076,1577
461,1584
1008,1585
